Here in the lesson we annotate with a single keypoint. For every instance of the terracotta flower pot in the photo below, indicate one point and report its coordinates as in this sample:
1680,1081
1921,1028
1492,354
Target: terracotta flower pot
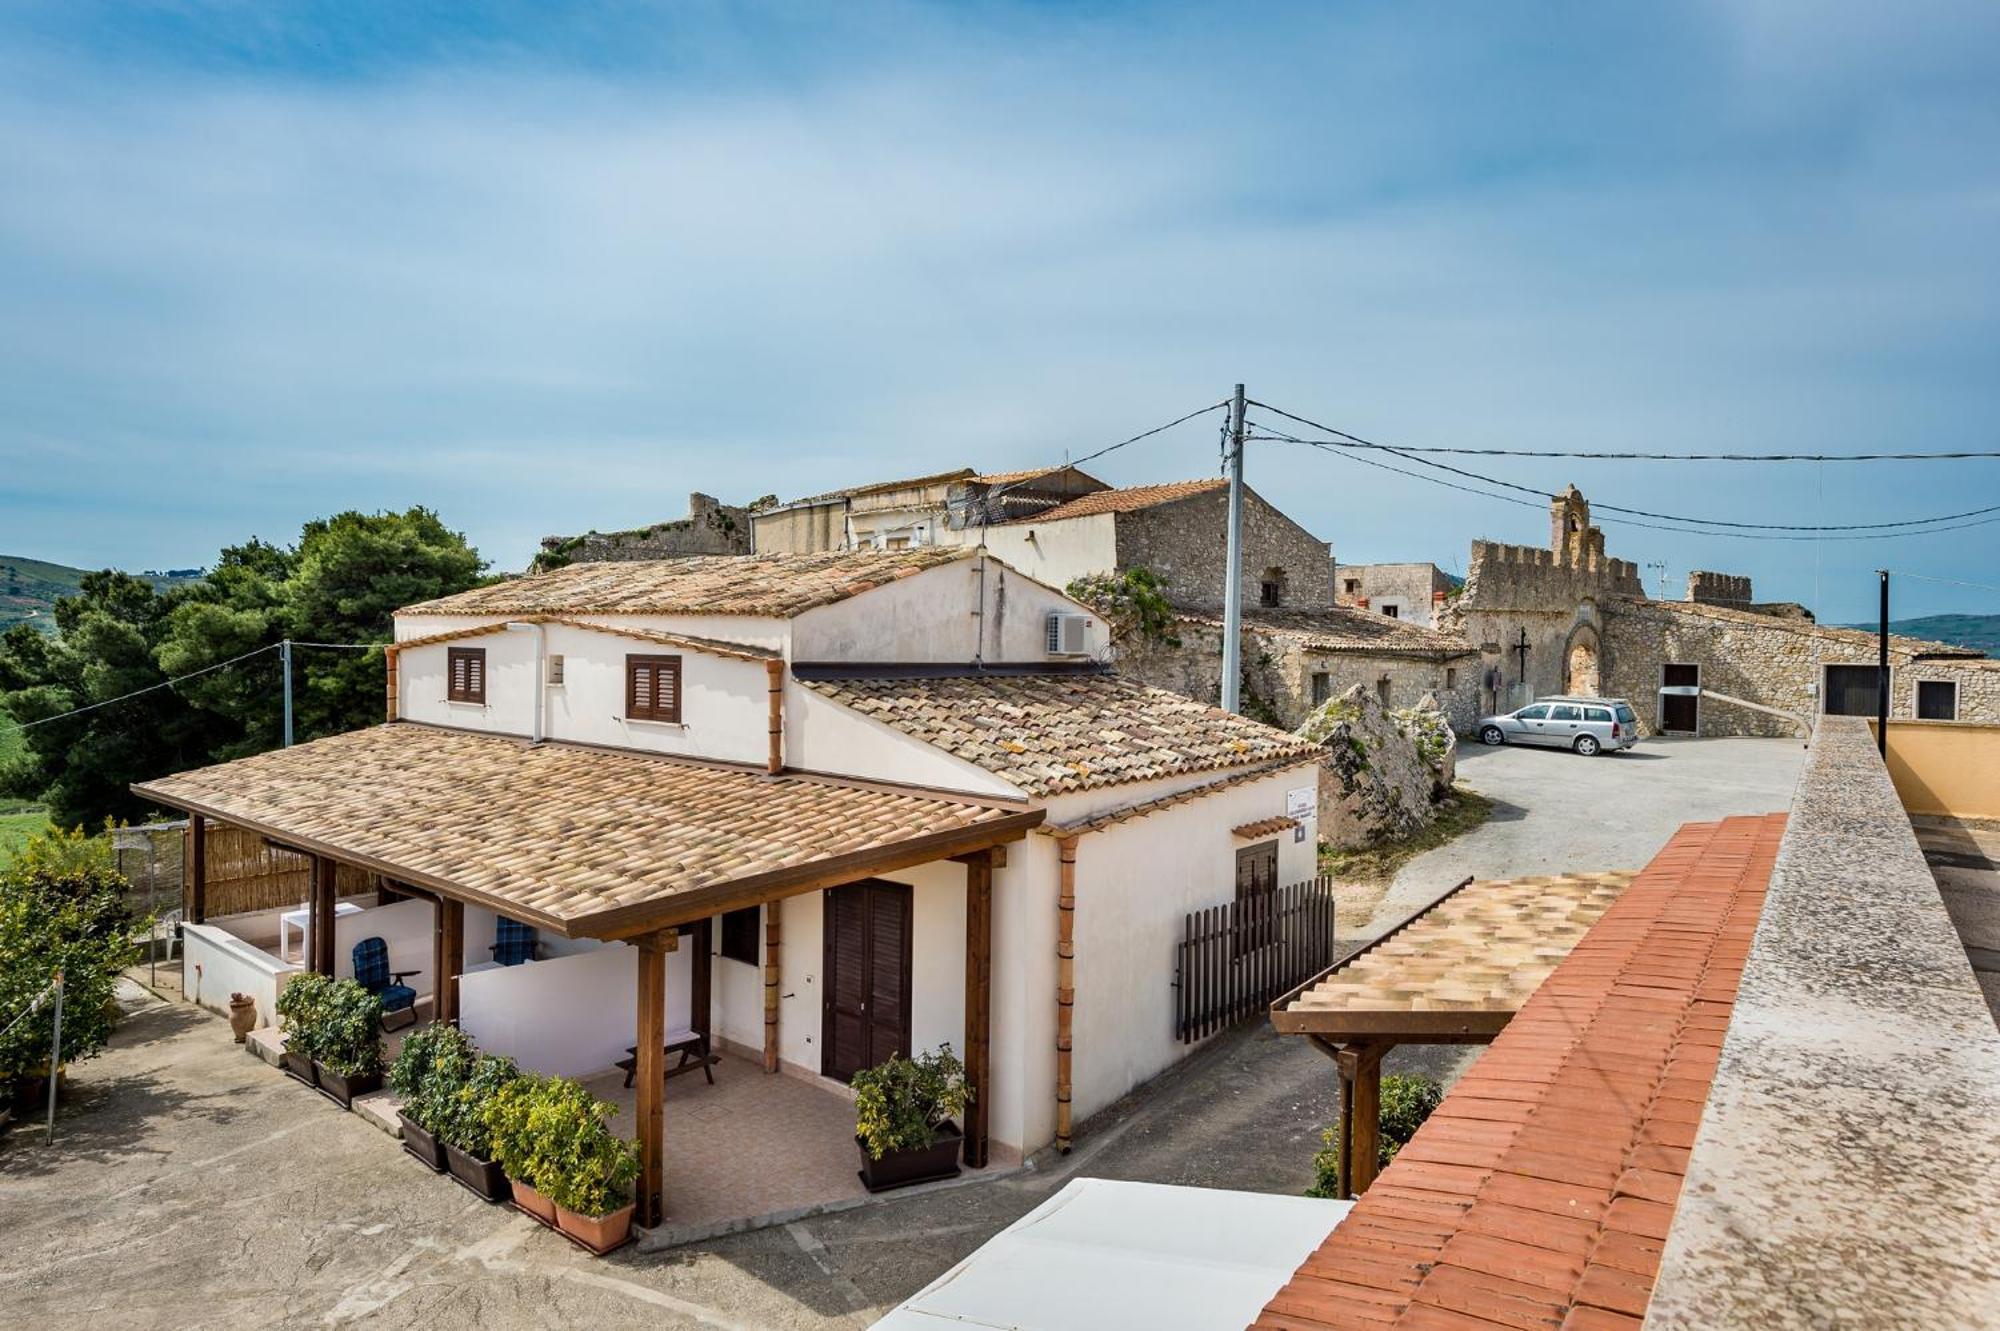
242,1016
536,1205
599,1233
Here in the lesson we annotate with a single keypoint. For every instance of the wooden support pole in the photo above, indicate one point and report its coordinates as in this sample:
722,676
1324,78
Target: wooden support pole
774,672
322,914
1361,1071
701,1002
978,1005
449,916
773,955
650,1077
195,909
1065,983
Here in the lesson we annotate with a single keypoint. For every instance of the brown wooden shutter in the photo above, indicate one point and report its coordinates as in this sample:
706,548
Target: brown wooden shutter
867,976
653,688
465,675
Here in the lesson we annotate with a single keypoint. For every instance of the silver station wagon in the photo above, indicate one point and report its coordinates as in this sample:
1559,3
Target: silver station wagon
1587,725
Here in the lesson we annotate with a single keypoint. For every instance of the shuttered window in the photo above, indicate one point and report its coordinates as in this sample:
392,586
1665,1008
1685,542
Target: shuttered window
653,688
739,934
465,674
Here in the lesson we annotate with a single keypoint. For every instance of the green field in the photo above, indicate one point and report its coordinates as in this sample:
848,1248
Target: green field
17,828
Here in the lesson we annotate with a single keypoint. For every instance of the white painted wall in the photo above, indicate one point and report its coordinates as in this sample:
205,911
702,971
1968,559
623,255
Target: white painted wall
408,927
928,617
749,630
1055,553
569,1016
1135,883
821,735
218,964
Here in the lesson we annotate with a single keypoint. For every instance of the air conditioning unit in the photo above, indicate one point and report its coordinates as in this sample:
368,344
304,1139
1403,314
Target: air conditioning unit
1068,634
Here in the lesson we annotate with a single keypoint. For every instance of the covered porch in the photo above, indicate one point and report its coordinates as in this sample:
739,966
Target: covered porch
629,865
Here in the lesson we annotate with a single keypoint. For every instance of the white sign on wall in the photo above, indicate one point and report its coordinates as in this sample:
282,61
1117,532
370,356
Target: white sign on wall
1301,803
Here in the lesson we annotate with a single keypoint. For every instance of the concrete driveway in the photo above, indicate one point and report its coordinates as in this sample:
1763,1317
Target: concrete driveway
193,1186
1554,811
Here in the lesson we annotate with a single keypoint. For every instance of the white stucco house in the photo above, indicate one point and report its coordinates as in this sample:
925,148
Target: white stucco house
817,808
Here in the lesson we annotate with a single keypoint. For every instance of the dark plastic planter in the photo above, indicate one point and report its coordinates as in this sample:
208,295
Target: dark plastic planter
901,1169
484,1178
422,1144
342,1090
299,1068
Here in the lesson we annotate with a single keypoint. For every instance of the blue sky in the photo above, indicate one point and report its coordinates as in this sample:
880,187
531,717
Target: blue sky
551,267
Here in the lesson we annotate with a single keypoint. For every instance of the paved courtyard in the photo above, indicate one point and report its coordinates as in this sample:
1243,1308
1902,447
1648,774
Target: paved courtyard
193,1186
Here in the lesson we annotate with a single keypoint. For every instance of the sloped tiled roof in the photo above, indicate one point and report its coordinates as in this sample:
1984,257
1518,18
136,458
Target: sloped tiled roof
1128,500
1342,628
712,646
876,487
1476,956
775,585
1051,734
1009,477
1539,1193
585,840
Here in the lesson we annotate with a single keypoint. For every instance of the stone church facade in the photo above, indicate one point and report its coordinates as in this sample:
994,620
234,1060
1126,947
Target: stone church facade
1571,619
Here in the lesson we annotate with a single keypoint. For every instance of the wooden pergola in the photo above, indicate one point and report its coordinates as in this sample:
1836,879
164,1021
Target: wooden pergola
508,850
1455,972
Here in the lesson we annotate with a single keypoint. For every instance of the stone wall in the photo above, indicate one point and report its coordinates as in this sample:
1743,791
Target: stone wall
1418,589
1731,589
710,528
1183,542
1279,670
1767,660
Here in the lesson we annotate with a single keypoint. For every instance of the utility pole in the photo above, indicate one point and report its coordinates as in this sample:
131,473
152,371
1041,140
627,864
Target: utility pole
285,664
1232,590
1882,675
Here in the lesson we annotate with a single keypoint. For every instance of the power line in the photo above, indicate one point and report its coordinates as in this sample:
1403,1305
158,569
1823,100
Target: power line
1956,582
178,679
1754,531
1358,442
986,500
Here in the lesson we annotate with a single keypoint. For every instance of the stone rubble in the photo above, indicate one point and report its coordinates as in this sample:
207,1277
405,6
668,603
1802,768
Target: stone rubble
1383,771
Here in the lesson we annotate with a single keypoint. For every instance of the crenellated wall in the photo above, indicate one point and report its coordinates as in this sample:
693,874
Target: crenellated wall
1719,588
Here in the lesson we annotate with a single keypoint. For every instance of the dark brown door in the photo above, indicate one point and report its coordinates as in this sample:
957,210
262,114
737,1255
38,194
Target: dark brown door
1680,711
867,973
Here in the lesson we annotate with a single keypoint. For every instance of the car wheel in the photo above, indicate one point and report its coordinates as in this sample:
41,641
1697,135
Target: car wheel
1587,745
1492,735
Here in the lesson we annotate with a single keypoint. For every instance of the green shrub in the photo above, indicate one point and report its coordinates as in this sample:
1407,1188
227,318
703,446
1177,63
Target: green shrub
461,1109
1407,1100
900,1104
350,1039
429,1070
61,908
302,1013
556,1137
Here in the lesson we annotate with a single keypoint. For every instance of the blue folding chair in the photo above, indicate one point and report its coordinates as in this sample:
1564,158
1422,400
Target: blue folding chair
514,942
371,972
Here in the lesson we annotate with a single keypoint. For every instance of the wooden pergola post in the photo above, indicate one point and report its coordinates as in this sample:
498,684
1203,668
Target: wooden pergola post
447,958
650,1076
1065,983
978,1003
701,1001
321,959
773,955
1361,1113
195,909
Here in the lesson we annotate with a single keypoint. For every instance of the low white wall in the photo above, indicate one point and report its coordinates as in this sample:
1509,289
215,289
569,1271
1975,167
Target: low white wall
218,964
569,1016
406,926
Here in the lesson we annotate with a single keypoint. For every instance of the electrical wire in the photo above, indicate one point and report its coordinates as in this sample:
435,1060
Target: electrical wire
1956,582
986,501
1751,531
1358,442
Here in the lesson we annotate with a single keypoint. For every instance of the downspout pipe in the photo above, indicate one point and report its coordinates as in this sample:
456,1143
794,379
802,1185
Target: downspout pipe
774,674
1065,983
535,733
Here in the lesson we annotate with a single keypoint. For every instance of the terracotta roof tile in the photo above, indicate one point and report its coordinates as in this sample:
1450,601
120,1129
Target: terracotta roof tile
1557,1160
1128,500
1052,734
711,646
570,836
775,585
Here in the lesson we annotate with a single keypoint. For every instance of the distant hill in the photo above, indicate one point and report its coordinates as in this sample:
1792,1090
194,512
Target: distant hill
29,588
1979,632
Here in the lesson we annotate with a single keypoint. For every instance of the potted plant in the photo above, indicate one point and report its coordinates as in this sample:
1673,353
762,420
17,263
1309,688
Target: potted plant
432,1064
903,1119
299,1016
461,1126
509,1115
347,1052
585,1168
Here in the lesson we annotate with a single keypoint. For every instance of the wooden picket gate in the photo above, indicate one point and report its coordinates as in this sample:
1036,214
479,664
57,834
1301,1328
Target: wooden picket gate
1233,960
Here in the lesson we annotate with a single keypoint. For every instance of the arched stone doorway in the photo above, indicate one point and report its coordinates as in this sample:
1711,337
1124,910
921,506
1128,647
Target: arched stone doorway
1580,671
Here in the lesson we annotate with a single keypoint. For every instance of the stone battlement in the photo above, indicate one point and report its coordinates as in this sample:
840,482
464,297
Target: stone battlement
1719,588
1528,577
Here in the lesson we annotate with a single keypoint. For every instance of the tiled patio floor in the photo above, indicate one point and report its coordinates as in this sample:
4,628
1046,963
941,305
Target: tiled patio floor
753,1144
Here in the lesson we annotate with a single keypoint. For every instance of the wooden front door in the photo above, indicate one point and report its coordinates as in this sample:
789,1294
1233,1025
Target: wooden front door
1680,711
867,970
